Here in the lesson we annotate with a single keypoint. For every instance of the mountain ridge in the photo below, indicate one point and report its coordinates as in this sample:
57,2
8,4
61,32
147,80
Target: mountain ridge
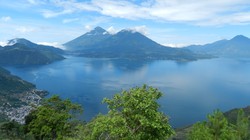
127,44
24,52
88,39
34,45
238,46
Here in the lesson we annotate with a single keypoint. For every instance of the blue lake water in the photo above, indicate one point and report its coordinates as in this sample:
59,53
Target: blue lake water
191,90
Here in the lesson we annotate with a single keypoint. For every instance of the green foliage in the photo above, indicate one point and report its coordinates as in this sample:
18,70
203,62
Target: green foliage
232,114
53,120
218,128
78,133
11,130
242,126
200,131
218,125
133,115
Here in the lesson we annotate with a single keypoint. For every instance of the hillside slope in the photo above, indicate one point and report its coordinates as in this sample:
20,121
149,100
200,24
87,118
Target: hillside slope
20,54
16,96
239,46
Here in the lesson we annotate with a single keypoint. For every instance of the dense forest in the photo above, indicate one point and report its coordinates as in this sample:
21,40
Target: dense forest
133,114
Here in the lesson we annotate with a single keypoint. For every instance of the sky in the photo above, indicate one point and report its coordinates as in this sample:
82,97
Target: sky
174,23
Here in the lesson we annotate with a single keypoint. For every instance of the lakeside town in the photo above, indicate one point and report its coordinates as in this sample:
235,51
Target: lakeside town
30,100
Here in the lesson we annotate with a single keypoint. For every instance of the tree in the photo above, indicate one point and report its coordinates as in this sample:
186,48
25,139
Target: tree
242,126
218,128
133,114
200,132
53,119
11,130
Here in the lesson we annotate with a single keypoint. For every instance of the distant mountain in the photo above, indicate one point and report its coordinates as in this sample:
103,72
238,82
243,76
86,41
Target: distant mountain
34,45
239,46
129,44
87,40
21,54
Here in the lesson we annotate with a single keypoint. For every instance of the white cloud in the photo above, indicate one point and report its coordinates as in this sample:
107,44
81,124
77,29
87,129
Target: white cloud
6,18
112,30
214,12
191,11
50,14
2,43
120,9
24,30
54,44
68,7
175,45
141,29
240,18
88,27
70,20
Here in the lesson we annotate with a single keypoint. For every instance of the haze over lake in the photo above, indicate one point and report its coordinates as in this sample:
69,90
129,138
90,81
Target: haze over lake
191,90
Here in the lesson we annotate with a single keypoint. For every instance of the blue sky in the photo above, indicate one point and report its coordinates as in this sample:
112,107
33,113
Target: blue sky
169,22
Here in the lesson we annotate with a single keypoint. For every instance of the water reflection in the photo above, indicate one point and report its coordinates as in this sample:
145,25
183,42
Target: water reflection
124,65
191,90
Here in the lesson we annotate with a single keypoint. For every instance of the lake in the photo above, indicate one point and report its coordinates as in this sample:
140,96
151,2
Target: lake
190,90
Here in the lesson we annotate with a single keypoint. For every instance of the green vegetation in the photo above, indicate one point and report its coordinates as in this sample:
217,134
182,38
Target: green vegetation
218,128
133,114
53,120
12,131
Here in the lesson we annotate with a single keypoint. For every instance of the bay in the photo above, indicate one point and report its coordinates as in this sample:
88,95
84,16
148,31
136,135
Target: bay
191,90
